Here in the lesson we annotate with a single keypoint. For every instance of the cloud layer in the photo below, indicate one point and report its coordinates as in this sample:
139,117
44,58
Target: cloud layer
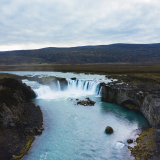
39,23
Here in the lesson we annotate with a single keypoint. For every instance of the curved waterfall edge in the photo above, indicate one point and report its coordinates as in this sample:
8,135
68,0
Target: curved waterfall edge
72,87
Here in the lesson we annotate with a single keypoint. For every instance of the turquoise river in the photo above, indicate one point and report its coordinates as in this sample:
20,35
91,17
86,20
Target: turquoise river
76,132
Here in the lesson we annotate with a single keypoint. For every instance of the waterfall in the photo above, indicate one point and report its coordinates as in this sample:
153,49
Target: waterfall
100,92
75,88
59,87
83,86
43,91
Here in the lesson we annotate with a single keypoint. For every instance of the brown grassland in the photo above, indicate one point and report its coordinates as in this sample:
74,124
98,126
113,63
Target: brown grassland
141,72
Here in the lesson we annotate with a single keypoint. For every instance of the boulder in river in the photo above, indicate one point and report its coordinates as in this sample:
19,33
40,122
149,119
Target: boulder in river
87,102
129,141
109,129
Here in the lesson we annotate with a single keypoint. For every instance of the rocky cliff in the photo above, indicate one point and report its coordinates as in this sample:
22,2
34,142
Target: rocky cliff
146,99
142,97
20,120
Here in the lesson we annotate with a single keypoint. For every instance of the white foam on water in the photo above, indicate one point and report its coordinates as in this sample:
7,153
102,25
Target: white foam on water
43,156
118,145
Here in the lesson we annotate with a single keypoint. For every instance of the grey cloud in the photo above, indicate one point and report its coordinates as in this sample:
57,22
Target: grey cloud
80,22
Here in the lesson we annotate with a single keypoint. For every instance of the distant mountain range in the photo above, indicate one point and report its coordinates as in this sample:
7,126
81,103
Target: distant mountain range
115,53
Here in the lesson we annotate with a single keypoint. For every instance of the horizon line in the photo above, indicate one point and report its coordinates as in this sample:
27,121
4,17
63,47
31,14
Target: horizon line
5,48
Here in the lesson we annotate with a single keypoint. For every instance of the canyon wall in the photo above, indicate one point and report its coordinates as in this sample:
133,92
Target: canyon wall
143,98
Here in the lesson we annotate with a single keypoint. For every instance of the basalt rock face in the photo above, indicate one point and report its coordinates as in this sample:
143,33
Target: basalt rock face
142,97
20,120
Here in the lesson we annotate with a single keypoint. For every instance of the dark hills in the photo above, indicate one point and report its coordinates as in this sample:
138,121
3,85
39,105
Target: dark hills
115,53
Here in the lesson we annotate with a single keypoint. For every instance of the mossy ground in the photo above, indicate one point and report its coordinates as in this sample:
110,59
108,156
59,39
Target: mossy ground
25,148
145,145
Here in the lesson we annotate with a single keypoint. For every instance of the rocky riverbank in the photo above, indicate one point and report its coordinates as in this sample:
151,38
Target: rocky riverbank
141,97
20,120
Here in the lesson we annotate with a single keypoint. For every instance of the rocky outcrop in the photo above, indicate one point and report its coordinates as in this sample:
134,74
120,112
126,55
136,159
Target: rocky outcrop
87,102
129,141
20,120
13,97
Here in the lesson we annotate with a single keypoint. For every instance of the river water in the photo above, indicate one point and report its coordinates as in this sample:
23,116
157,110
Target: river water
76,132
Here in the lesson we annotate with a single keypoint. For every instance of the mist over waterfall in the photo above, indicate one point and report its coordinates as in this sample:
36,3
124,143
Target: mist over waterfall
74,88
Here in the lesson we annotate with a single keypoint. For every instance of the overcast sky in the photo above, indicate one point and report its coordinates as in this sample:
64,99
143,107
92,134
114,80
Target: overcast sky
65,23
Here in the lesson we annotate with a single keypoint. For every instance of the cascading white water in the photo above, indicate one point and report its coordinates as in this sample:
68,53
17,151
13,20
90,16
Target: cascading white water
83,85
100,92
59,87
75,88
44,92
